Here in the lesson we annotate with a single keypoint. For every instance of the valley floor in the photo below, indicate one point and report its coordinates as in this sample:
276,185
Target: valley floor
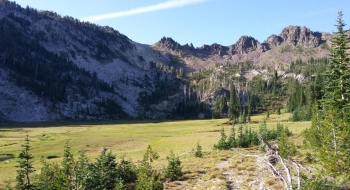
216,170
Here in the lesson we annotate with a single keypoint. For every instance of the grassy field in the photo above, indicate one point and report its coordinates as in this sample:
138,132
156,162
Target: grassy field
126,138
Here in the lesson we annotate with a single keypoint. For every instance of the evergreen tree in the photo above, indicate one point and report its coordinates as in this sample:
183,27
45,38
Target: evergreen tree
147,177
81,171
233,105
336,79
173,170
25,167
330,131
286,146
48,178
240,136
222,145
232,137
68,165
103,173
127,170
198,152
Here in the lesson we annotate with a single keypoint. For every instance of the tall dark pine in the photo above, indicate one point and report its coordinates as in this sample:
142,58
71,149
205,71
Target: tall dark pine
329,134
233,104
336,79
25,167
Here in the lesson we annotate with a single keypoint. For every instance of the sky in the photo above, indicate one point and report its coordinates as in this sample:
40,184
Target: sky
200,21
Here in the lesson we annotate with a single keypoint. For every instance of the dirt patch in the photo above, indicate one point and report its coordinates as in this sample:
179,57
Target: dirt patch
224,167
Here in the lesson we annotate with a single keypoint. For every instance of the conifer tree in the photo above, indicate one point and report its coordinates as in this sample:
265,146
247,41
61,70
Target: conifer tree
81,171
198,152
25,167
68,165
233,104
103,172
330,131
232,137
147,177
173,170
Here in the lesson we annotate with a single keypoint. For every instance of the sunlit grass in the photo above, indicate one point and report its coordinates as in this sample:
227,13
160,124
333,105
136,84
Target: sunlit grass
129,139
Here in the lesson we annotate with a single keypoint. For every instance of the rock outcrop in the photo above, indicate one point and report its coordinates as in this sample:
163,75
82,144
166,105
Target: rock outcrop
247,44
273,41
300,35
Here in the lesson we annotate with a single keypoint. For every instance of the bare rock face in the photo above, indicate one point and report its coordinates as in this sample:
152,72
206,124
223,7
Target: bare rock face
246,44
167,43
273,41
214,49
300,35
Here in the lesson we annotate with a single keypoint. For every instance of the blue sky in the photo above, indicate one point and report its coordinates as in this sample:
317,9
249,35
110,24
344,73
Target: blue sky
200,21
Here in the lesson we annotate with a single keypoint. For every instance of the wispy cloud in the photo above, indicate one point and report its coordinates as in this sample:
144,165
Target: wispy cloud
151,8
316,13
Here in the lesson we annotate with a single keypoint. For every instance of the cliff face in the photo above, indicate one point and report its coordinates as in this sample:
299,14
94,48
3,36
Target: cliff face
247,44
300,35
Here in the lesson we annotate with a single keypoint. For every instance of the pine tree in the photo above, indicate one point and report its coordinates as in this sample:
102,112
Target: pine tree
232,137
222,144
127,170
336,83
286,146
48,179
330,131
240,136
147,177
68,165
233,105
25,167
81,171
173,170
103,173
198,152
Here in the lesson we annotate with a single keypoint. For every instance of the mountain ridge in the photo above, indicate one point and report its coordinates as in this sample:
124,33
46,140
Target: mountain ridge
101,67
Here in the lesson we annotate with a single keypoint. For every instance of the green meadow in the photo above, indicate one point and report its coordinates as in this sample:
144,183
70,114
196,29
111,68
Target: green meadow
125,138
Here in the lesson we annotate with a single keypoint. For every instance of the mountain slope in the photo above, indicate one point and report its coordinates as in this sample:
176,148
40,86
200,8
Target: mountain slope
55,67
102,66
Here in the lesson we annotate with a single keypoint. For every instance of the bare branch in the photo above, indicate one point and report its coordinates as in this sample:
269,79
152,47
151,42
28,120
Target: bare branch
287,173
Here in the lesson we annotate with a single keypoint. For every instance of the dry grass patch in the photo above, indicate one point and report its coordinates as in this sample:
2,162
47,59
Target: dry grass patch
249,179
241,167
278,187
251,168
270,181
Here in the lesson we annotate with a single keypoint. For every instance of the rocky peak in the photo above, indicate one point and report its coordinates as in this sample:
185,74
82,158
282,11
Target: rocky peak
189,47
246,44
300,35
214,49
167,43
273,40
